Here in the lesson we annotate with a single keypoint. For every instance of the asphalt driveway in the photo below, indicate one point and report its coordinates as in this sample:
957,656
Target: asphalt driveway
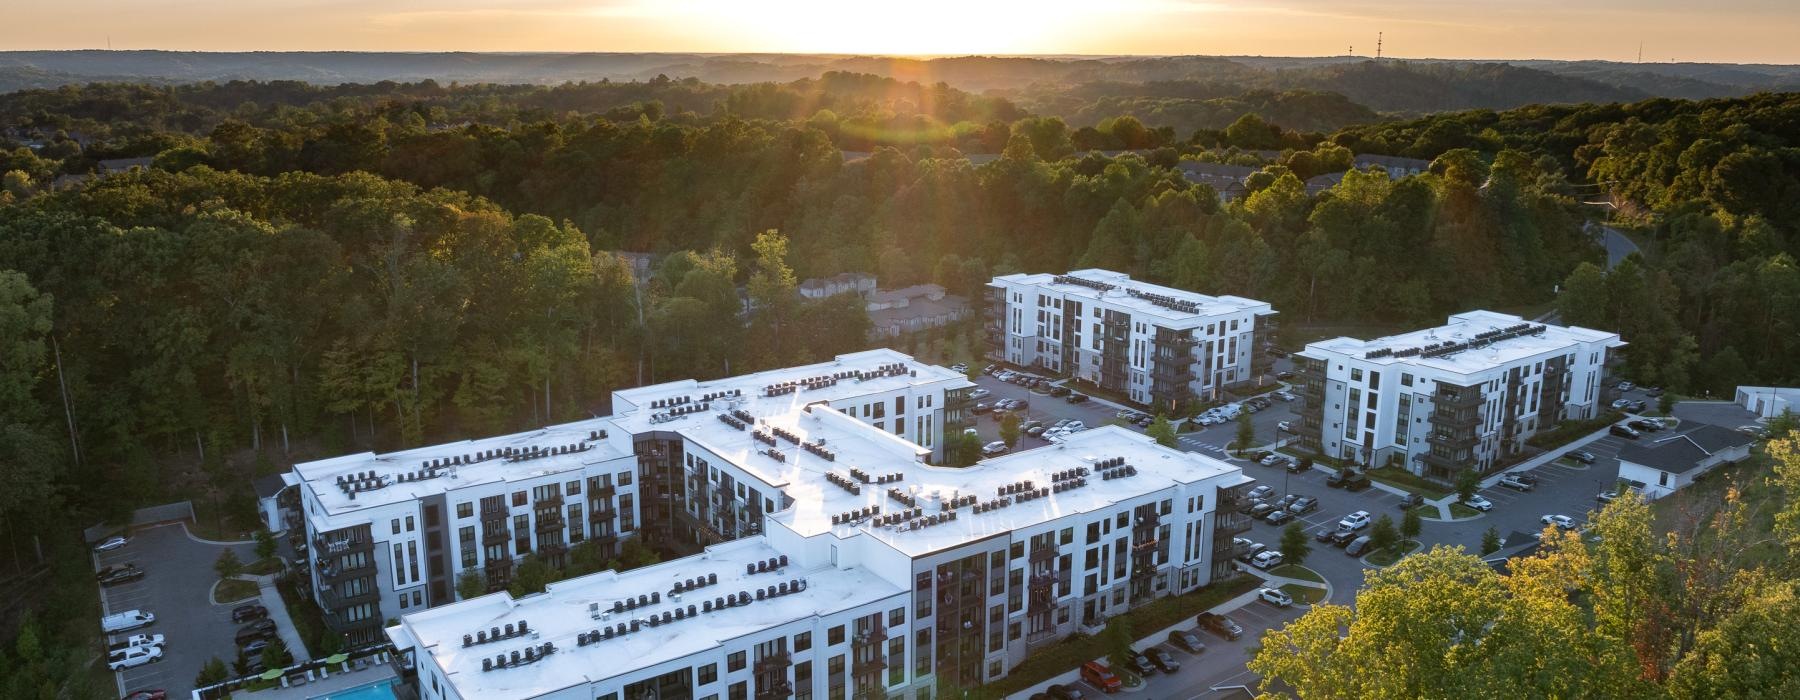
177,588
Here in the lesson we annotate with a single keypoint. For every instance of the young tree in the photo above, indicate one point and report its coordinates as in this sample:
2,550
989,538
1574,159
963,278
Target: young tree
1295,545
1246,433
1009,428
228,565
265,544
962,449
470,584
1665,404
1467,483
1411,524
1163,431
211,672
1118,639
1382,536
1490,541
276,655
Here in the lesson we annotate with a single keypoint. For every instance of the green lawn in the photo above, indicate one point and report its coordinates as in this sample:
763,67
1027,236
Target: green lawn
1400,478
1066,654
1304,594
1459,511
233,590
1386,559
1297,571
264,567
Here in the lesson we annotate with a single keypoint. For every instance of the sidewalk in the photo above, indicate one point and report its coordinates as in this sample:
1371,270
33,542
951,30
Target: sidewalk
284,625
1443,504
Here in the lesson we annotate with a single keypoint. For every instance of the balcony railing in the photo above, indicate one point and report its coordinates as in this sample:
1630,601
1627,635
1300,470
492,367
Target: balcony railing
322,545
555,500
876,635
602,516
546,523
871,666
774,662
495,536
1453,441
1043,554
606,491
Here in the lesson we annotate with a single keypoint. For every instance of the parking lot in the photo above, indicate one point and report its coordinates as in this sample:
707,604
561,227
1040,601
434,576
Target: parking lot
177,588
1221,664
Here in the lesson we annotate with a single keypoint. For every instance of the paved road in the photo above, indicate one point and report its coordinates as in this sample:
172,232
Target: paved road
1618,246
177,588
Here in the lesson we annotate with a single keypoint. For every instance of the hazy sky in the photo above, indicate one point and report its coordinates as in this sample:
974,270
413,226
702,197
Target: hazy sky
1685,30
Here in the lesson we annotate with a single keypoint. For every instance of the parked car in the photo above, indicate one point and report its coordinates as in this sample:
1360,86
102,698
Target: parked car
1563,522
1285,501
1323,534
255,647
1638,406
1513,482
1269,460
1606,496
1354,521
1357,482
110,544
1303,504
137,640
1261,492
1339,478
261,629
1285,426
980,393
1646,425
1261,509
1076,398
1755,431
1101,677
1526,477
1186,641
993,448
1249,553
1139,663
1624,431
246,613
130,619
1267,559
114,575
1065,692
133,657
156,694
1343,538
1621,404
1295,466
1411,500
1275,596
1219,625
1478,503
1583,456
1165,661
1059,391
1654,391
1626,386
1279,517
1358,546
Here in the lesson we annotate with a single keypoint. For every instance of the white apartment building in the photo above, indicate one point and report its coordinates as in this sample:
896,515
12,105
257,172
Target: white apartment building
1156,345
874,573
1459,396
389,533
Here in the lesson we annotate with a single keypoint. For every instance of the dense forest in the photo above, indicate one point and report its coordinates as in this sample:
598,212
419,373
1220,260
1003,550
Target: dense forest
387,265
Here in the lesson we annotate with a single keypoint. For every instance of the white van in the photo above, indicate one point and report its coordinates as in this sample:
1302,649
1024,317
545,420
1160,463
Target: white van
130,619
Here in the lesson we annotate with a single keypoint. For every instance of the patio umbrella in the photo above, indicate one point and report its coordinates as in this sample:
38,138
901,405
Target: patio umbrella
271,674
336,658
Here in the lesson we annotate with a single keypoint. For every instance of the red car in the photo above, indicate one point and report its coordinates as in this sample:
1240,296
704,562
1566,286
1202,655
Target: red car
157,694
1102,677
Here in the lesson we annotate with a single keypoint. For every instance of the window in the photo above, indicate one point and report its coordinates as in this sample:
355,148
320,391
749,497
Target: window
802,641
518,498
1018,550
1355,375
573,488
624,478
709,674
739,691
835,636
409,523
896,617
464,510
396,526
735,662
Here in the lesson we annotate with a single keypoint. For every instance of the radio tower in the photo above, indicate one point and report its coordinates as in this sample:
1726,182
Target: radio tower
1377,46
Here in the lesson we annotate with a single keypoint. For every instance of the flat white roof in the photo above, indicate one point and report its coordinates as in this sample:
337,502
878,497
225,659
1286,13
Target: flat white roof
562,612
635,409
1480,353
817,498
394,477
1120,294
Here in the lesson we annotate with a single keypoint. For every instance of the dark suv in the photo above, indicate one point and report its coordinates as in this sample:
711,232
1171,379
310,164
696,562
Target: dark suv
1219,625
1411,500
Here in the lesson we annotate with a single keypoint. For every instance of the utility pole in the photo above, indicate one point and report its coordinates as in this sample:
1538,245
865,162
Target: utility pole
1378,46
1640,52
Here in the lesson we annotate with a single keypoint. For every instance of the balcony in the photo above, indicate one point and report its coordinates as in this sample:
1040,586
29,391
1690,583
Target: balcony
1231,522
602,516
604,538
1148,520
548,522
551,501
322,545
1464,419
1459,398
780,691
873,636
1145,546
336,622
495,536
551,549
330,598
1042,554
1143,567
329,574
1453,441
776,662
501,565
604,492
869,667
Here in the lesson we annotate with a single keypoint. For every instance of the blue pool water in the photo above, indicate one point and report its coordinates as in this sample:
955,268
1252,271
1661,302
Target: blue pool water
379,690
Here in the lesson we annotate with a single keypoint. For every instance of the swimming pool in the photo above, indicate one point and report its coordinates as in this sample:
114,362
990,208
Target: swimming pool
379,690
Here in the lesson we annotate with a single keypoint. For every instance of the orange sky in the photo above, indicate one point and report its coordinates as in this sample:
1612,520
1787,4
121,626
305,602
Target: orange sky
1716,31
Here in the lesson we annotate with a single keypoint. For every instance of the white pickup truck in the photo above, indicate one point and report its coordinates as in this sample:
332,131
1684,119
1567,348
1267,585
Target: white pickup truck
137,640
